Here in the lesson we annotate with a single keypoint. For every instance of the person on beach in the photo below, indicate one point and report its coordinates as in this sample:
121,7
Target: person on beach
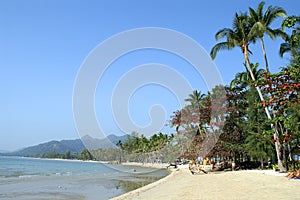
233,165
205,161
172,165
212,162
196,168
293,175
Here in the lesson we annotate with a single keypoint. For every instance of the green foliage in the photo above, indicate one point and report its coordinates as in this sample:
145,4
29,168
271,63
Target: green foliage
67,155
290,22
52,154
292,41
275,167
140,148
110,154
259,146
278,92
236,37
86,155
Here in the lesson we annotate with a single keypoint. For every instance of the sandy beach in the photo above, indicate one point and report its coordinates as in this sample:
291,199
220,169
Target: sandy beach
182,185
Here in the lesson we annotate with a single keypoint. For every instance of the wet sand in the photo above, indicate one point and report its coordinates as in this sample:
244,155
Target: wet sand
254,184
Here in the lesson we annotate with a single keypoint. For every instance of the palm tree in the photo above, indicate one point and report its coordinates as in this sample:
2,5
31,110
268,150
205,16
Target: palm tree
243,79
260,24
195,99
240,36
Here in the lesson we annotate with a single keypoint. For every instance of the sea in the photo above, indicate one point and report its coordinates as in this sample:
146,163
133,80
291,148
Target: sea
25,178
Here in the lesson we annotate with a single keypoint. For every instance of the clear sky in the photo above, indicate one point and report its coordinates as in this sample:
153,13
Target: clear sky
44,43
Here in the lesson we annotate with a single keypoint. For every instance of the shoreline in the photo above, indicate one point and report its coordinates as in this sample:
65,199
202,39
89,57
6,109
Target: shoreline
58,159
148,165
137,164
75,160
136,192
243,184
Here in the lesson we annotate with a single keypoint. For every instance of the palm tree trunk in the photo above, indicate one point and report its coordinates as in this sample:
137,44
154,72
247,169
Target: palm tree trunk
265,54
275,128
248,66
278,146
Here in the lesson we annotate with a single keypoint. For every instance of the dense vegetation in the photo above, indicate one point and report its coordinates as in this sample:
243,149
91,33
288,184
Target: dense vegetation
271,113
84,155
255,117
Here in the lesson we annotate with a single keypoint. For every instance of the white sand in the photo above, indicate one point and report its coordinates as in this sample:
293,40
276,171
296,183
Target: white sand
254,184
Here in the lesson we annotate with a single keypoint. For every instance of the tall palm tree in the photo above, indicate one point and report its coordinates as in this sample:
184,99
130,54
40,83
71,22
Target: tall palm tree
240,36
260,24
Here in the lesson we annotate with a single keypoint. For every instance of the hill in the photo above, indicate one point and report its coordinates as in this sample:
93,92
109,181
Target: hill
108,142
3,151
74,146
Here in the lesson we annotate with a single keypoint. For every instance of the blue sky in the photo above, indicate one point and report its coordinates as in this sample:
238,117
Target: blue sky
44,43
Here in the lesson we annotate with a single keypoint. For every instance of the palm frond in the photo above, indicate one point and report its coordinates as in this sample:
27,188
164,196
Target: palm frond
273,13
257,30
273,33
220,46
225,32
260,9
284,47
253,16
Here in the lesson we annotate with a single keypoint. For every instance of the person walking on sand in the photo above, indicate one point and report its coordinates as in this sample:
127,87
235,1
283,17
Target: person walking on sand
233,165
212,162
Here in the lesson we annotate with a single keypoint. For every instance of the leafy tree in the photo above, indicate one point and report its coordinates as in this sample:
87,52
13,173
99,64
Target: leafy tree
198,123
146,148
292,42
259,146
196,105
231,139
67,155
86,155
241,36
283,91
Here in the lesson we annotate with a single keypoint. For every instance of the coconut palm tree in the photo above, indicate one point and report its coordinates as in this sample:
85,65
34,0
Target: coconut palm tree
243,79
195,99
240,36
240,80
260,25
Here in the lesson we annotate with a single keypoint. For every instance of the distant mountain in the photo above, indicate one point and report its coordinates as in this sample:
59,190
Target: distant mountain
105,143
3,151
75,146
58,146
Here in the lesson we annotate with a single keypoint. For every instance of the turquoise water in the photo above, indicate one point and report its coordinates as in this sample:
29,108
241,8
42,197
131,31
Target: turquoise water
30,178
